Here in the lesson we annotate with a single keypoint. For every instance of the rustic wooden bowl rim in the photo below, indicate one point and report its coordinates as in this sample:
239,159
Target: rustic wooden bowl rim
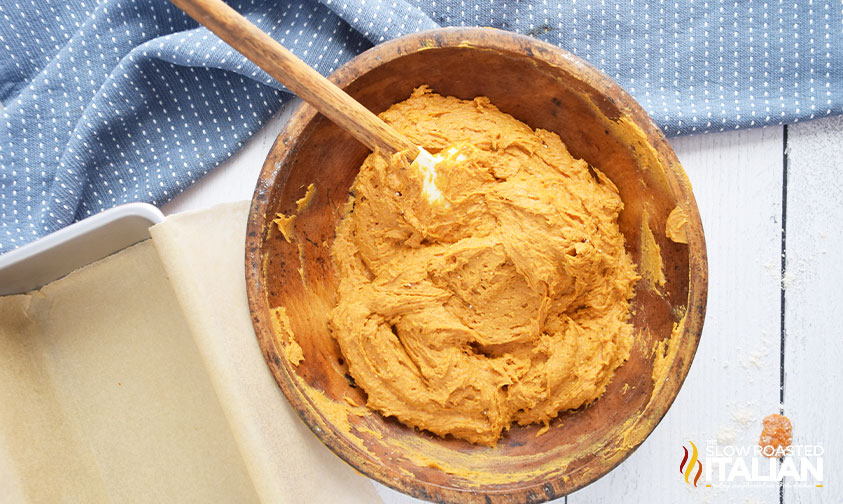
496,40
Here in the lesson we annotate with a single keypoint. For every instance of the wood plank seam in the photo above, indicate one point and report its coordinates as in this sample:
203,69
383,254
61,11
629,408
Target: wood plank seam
813,375
783,298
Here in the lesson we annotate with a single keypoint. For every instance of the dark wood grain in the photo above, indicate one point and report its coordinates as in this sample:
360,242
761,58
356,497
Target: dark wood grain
305,82
545,87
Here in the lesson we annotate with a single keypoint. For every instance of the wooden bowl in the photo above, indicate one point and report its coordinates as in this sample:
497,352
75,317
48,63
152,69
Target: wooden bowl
545,87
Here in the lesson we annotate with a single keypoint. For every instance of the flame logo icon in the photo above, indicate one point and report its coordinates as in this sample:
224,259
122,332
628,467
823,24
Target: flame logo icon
687,466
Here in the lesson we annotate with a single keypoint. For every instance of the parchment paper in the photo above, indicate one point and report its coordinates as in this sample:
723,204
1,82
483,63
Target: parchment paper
119,383
203,253
103,395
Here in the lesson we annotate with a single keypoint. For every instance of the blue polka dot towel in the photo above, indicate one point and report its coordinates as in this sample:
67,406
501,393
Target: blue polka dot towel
112,101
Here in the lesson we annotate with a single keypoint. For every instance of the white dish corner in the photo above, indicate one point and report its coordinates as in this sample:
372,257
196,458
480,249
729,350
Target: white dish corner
57,254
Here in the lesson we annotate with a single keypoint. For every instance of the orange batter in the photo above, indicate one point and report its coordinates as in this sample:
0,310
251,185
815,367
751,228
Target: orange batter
776,435
505,301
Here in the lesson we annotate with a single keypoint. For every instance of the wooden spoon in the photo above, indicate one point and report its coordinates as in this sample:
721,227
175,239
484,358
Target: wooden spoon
310,85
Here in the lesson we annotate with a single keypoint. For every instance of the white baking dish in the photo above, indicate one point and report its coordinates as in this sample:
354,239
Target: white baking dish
57,254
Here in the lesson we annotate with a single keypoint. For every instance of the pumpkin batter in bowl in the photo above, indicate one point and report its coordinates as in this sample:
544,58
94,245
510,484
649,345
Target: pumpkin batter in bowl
505,301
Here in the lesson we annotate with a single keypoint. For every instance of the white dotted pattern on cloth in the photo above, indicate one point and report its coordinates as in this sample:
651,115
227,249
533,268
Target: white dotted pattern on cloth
128,100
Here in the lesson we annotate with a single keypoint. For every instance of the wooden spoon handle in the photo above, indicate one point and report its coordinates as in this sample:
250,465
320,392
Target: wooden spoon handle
294,73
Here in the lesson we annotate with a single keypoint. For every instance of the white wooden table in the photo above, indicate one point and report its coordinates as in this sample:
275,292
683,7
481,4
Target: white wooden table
772,207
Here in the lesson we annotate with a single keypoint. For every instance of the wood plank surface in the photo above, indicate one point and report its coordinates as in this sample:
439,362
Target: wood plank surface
813,383
734,380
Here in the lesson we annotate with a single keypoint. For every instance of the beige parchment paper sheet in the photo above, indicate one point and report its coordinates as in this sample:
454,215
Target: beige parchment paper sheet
139,379
103,395
204,255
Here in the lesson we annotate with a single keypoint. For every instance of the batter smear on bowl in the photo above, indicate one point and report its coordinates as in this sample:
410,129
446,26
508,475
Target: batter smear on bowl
505,300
